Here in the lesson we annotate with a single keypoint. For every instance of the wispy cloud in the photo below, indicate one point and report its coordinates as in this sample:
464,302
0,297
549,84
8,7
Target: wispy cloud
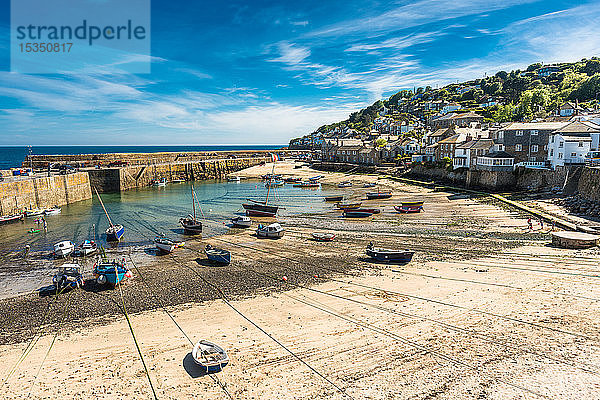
419,13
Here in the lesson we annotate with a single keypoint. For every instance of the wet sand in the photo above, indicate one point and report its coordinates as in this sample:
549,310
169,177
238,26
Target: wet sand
485,310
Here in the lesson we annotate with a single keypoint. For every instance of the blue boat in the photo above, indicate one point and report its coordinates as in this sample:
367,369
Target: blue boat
114,233
218,256
210,357
111,272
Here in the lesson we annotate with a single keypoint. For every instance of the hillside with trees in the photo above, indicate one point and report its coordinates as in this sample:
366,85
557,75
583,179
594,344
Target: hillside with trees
521,95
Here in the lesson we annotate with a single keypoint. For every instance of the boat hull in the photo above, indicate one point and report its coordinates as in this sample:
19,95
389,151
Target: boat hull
323,237
241,223
378,195
218,256
213,365
260,210
356,214
115,233
334,198
11,218
390,256
408,209
191,227
106,274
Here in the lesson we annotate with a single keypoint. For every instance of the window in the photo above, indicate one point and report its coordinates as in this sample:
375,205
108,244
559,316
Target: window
533,132
580,144
519,133
518,147
560,156
551,152
561,145
573,154
534,148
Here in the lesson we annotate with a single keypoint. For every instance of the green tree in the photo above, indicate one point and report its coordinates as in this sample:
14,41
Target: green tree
533,102
504,113
381,142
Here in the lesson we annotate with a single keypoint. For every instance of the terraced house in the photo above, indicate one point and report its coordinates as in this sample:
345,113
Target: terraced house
527,142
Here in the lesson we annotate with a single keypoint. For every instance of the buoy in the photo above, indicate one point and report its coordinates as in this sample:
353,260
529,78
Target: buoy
285,278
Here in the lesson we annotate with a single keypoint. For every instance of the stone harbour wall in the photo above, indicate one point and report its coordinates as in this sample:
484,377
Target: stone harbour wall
43,192
108,180
589,185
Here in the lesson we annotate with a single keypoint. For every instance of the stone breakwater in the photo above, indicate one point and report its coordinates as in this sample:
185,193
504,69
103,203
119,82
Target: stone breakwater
108,159
135,176
43,192
46,191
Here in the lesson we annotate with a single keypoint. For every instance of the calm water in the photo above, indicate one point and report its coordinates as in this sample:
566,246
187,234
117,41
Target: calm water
11,157
148,211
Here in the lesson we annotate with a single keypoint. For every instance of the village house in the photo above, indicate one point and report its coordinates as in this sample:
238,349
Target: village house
450,107
527,141
571,144
465,154
462,120
548,70
446,147
496,161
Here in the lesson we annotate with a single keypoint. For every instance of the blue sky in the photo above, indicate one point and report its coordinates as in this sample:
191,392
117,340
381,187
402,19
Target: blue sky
245,72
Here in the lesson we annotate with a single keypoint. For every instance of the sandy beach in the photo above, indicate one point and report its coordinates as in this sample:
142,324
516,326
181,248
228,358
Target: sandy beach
485,310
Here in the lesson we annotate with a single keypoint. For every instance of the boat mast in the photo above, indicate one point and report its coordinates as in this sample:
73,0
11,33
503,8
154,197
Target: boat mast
193,201
104,208
268,185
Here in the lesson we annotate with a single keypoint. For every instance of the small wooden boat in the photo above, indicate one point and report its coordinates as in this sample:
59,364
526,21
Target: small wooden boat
378,195
370,184
160,183
191,224
210,357
218,256
348,206
334,198
412,203
310,184
268,177
87,248
68,277
323,236
111,272
344,184
241,222
63,249
356,214
388,255
274,183
7,219
408,209
315,178
272,231
292,179
233,178
370,210
52,211
165,244
34,212
34,231
297,166
177,180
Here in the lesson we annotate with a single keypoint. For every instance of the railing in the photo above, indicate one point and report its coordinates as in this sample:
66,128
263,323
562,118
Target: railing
592,162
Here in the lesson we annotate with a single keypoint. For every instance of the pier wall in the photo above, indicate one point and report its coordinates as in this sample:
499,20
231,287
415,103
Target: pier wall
108,180
43,192
589,184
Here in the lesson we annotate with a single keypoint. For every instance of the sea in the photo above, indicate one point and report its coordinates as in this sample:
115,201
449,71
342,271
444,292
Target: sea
145,213
12,157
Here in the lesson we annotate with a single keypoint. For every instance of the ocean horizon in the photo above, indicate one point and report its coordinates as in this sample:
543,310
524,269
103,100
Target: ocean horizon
13,156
